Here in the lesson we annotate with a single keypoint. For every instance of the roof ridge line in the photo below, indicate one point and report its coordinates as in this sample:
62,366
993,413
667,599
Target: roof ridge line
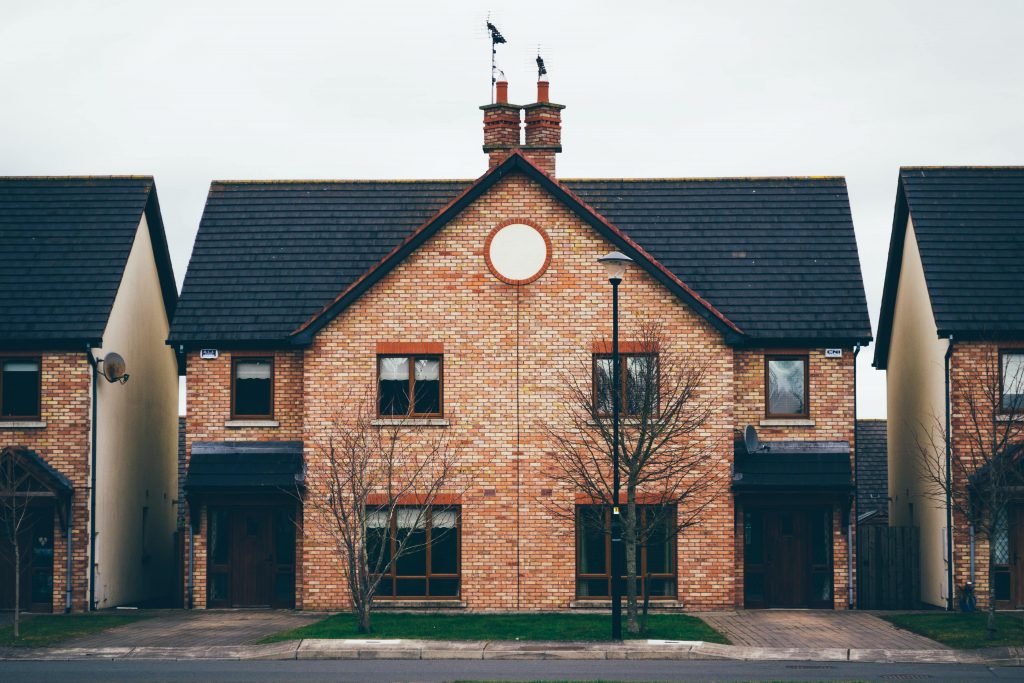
77,177
306,181
707,178
962,167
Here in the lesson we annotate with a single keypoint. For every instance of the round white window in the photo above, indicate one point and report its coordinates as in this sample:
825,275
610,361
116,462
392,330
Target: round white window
518,253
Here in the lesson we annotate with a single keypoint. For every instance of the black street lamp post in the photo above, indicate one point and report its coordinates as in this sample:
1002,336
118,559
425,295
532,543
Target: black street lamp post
615,263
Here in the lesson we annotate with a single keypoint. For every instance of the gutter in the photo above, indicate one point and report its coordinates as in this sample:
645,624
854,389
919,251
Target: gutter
949,484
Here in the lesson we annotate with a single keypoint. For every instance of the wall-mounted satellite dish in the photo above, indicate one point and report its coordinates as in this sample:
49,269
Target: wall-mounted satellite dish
112,366
751,441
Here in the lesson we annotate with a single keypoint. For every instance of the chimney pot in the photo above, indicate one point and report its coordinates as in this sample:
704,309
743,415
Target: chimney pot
502,92
542,91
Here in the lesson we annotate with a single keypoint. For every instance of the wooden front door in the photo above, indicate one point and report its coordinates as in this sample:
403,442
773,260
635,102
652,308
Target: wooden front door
252,561
35,542
787,557
1016,521
786,545
251,556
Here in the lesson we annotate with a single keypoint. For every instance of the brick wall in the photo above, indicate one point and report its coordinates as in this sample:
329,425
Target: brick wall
65,444
974,370
496,336
504,350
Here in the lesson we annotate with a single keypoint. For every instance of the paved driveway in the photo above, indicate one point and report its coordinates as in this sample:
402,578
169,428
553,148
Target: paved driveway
183,628
815,628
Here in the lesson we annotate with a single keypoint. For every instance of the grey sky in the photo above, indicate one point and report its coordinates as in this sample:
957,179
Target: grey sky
193,91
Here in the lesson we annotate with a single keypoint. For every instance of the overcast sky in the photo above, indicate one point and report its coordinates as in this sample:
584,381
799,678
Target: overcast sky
194,91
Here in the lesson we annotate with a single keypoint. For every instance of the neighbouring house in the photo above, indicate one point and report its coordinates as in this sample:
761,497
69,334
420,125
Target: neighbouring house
951,320
300,294
87,277
872,473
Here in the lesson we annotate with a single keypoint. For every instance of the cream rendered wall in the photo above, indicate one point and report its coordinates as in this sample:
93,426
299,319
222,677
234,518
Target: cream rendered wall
137,426
917,408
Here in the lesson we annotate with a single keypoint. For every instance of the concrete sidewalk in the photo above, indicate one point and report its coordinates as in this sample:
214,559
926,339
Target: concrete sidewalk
432,649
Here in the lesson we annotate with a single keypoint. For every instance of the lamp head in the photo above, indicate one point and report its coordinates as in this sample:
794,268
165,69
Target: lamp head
615,264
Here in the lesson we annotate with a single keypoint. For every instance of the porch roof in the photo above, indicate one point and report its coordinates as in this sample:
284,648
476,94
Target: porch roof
794,466
238,465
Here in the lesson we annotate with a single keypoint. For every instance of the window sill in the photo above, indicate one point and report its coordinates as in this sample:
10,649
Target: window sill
600,603
239,424
416,603
410,422
22,424
622,421
786,422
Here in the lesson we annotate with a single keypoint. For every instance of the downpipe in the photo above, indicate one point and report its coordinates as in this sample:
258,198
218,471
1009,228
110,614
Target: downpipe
852,516
949,480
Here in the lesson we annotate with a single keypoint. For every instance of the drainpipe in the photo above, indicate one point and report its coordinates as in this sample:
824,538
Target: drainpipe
972,554
191,559
852,518
68,568
949,484
92,487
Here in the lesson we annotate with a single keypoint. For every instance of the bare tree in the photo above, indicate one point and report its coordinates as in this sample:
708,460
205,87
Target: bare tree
665,451
984,465
367,473
14,506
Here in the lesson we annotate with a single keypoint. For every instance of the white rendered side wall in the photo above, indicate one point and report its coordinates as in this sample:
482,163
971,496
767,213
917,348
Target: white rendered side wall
916,418
137,442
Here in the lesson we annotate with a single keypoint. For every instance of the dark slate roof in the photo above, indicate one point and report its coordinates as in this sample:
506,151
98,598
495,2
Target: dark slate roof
65,242
969,223
794,466
245,465
872,469
777,257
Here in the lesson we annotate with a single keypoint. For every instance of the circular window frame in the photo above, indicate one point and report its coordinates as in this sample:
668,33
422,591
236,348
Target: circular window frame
547,247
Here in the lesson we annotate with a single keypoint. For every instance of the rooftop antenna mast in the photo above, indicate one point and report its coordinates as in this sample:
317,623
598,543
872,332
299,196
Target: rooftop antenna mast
496,40
542,70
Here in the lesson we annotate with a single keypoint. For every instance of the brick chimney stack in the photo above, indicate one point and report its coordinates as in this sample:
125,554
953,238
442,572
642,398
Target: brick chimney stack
501,126
543,129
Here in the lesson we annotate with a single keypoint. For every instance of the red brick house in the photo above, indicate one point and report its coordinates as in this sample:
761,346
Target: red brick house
87,274
951,336
300,293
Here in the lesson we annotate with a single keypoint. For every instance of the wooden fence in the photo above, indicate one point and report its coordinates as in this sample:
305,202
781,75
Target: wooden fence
888,567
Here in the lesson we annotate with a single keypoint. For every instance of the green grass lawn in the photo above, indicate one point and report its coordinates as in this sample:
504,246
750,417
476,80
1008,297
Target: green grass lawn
42,630
963,631
501,627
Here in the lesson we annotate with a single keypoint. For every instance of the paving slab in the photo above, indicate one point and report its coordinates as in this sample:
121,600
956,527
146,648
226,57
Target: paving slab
197,628
815,629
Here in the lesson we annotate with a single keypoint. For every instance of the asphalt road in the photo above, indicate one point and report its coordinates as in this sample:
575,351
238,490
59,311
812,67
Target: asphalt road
523,670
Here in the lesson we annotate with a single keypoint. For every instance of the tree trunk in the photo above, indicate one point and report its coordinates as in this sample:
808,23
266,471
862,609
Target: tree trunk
629,538
17,587
363,611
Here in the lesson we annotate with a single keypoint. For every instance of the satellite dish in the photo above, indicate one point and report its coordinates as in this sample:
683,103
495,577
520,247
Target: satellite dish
114,368
751,441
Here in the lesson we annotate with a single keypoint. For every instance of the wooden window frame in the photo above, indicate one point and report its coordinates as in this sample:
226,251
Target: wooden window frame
39,402
672,575
428,519
1011,351
805,357
413,357
623,381
245,358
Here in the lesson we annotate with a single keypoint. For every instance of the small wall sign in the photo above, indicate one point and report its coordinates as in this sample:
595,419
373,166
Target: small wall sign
209,354
833,353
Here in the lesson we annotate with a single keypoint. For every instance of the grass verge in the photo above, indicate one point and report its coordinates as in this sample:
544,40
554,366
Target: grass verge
550,626
962,631
42,630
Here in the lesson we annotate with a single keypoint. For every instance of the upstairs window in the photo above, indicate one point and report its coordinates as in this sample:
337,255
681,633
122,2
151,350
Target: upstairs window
786,386
252,390
409,386
19,388
638,384
1012,370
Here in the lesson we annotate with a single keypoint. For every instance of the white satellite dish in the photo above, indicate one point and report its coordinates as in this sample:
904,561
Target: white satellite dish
751,441
112,366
